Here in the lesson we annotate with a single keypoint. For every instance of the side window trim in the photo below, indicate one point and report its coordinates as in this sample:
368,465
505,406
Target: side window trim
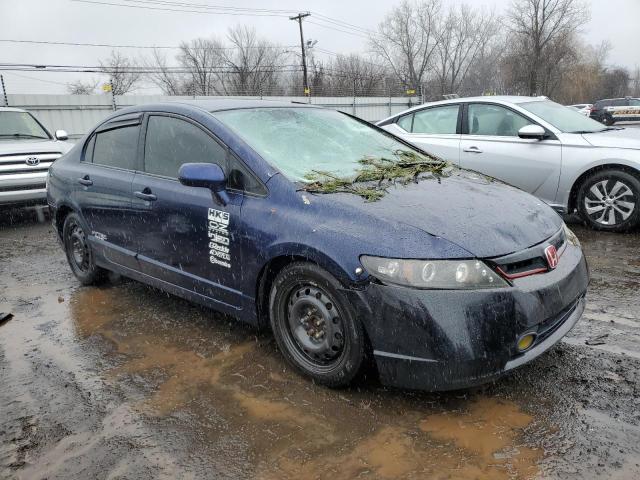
85,149
235,158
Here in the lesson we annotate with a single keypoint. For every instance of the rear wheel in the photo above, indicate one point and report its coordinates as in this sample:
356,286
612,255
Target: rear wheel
608,120
315,329
610,200
79,253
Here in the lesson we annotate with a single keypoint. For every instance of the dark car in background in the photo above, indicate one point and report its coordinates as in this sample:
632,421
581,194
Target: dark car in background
271,212
612,110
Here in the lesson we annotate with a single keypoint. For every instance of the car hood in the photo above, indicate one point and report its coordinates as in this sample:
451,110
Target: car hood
485,217
10,146
628,138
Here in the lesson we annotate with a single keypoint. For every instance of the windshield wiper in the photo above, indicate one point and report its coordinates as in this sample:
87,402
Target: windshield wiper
607,129
21,135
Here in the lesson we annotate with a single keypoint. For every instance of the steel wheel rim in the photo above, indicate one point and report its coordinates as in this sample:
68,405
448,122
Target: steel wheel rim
79,250
610,202
315,326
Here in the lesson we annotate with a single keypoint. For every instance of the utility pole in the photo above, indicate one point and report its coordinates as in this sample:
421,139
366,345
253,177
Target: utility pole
4,91
299,18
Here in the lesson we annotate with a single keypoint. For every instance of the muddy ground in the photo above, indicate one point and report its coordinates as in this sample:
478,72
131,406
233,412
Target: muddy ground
124,381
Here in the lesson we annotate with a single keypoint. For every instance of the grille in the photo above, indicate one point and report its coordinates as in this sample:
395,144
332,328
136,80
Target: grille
17,163
531,260
19,188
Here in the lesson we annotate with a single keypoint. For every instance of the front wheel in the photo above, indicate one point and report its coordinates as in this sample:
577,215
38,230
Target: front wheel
610,200
315,329
79,253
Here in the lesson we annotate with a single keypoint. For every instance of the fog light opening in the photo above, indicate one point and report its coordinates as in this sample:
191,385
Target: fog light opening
526,341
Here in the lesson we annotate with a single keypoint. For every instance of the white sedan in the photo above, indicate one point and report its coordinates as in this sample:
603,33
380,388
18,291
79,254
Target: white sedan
583,108
569,161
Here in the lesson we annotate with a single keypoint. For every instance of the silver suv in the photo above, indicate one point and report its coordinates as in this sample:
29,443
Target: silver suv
27,150
569,161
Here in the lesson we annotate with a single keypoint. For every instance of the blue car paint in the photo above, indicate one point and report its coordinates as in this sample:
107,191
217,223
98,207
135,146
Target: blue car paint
165,243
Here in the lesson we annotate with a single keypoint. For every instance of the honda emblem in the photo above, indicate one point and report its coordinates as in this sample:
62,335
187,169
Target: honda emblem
552,256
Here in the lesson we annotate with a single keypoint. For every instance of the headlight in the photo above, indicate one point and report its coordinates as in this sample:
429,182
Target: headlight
433,274
571,237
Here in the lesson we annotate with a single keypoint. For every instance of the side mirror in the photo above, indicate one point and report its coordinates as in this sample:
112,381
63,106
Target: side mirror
62,135
205,175
535,132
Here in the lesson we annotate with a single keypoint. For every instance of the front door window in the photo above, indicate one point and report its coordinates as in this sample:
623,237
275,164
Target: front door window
494,120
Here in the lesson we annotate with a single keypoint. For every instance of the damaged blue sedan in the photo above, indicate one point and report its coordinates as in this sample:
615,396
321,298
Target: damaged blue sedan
352,245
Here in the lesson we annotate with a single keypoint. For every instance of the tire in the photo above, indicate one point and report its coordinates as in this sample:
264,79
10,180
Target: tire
608,120
79,253
609,200
315,328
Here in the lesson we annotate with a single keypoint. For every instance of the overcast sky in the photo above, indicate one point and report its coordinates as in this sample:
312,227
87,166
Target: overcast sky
71,21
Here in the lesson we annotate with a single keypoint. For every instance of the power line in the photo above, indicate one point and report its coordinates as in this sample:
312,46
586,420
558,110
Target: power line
152,47
105,70
335,54
257,14
343,24
361,35
36,79
162,5
209,6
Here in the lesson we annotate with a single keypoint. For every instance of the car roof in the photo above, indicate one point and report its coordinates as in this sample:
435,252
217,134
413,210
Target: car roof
11,109
506,99
219,104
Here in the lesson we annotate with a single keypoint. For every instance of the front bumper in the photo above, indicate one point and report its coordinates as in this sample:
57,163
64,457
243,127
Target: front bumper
23,188
450,339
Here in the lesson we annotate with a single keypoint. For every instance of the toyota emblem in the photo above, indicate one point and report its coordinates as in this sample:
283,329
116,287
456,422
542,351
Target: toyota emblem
32,161
552,256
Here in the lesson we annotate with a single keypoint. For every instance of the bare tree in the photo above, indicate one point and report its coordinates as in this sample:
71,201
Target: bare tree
251,64
354,73
159,73
203,60
615,82
82,88
462,36
485,74
538,26
636,82
123,72
407,39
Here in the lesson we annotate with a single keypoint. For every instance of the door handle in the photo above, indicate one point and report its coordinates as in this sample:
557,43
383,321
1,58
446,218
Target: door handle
146,195
86,181
472,150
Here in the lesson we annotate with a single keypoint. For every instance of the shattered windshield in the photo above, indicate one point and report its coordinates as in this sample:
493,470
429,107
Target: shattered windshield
305,142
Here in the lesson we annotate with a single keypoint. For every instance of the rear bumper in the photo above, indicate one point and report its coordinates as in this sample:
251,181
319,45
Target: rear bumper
446,340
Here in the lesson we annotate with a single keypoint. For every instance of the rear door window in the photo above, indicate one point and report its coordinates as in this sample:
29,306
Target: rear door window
117,147
171,141
437,120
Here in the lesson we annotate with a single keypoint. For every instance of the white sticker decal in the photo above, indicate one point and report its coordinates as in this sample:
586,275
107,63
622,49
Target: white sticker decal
99,236
218,232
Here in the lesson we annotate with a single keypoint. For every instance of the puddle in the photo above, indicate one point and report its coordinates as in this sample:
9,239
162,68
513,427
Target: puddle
126,381
483,442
